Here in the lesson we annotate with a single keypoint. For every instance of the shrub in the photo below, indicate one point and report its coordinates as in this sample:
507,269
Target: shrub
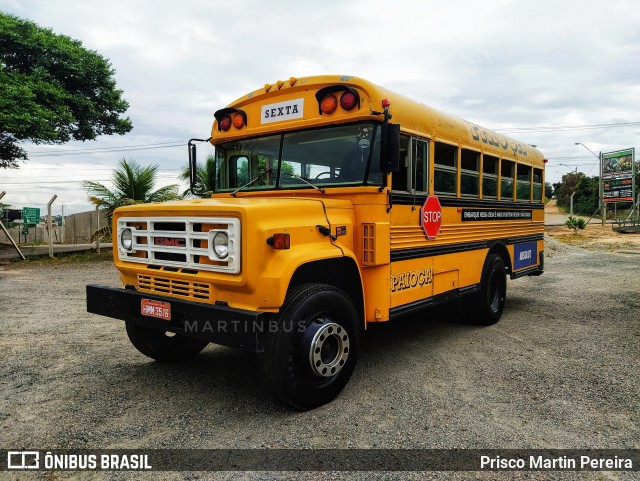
575,224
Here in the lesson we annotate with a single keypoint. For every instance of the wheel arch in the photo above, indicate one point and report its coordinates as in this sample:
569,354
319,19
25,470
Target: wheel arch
500,248
341,272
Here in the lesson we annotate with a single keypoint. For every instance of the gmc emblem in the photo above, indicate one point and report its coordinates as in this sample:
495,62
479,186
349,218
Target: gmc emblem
169,242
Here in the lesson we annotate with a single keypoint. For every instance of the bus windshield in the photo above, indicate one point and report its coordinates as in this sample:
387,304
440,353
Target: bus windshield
334,156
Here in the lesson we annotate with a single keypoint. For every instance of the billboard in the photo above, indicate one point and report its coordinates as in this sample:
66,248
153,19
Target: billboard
617,175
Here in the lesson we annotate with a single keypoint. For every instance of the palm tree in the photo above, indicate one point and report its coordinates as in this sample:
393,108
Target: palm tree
205,173
133,184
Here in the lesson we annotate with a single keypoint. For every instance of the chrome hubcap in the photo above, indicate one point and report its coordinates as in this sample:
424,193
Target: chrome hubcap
329,350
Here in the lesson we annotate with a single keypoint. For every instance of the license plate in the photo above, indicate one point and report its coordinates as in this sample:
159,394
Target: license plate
159,309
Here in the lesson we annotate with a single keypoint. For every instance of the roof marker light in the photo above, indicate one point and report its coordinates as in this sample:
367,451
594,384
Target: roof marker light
329,104
348,101
238,121
225,123
229,116
329,95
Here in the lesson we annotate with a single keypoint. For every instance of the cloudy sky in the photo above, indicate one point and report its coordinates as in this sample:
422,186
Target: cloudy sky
549,72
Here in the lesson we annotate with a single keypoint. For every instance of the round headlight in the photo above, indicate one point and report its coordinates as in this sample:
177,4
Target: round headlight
126,239
221,244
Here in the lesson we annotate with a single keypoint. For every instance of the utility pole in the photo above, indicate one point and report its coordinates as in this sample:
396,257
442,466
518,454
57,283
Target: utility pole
574,171
603,205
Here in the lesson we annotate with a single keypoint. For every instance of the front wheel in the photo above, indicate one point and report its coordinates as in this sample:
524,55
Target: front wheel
485,308
163,346
312,352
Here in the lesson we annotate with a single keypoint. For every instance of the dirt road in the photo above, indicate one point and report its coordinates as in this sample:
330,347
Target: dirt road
559,371
554,216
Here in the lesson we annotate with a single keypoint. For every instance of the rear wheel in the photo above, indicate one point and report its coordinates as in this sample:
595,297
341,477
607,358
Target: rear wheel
312,353
485,308
163,346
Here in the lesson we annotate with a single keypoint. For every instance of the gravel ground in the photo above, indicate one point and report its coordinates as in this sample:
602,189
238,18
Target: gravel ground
559,371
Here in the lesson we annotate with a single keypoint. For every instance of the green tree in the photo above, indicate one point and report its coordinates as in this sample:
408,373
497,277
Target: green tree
564,189
586,192
133,184
52,90
586,199
548,190
206,173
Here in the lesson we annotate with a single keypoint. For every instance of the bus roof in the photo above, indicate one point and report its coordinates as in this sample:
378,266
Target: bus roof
292,104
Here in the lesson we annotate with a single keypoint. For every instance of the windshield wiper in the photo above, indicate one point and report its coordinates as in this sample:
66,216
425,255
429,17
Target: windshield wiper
250,183
295,176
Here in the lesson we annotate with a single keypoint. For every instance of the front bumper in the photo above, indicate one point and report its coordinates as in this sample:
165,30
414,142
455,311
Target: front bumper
222,325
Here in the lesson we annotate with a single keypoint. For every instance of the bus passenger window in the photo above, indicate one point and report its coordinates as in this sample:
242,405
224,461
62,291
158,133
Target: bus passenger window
446,164
489,177
400,180
537,185
470,173
420,165
523,187
506,180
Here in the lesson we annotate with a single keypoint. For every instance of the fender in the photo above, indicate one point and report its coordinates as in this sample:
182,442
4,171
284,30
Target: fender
313,247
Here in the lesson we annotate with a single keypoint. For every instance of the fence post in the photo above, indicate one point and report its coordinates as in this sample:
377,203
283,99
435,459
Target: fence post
62,223
98,229
50,226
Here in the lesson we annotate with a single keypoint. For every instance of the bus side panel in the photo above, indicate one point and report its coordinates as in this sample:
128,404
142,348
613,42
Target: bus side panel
455,271
411,281
375,281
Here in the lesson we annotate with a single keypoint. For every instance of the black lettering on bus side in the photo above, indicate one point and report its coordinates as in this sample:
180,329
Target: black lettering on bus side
504,146
474,133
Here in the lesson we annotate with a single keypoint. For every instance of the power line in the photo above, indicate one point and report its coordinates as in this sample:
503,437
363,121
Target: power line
36,177
27,180
107,151
563,128
180,142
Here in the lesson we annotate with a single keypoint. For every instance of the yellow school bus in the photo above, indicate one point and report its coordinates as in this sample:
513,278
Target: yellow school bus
333,203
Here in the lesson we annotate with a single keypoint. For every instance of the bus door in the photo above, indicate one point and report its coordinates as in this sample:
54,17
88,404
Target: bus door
411,266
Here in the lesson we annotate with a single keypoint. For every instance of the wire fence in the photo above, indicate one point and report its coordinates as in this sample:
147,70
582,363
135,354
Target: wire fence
71,224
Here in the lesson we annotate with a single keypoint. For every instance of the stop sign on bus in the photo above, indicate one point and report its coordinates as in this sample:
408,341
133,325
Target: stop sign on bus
431,217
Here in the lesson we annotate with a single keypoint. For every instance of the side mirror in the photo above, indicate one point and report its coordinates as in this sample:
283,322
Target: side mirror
192,167
194,186
390,155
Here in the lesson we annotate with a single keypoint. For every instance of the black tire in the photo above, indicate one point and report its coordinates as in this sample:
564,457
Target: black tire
485,308
162,346
311,355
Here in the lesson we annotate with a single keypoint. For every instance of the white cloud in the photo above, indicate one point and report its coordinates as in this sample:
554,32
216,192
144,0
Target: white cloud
500,63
